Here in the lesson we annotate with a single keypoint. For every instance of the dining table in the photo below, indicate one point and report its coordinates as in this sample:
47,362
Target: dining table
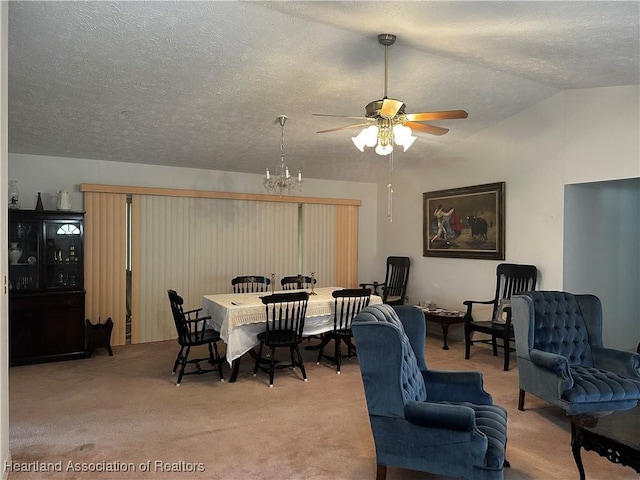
240,317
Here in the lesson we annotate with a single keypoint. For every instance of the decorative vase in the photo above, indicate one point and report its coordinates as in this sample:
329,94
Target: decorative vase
13,195
15,252
39,205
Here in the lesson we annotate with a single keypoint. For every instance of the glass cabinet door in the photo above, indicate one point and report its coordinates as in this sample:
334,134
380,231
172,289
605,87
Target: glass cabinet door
63,254
24,270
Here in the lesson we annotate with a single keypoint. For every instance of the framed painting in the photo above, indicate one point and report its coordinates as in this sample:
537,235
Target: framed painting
465,222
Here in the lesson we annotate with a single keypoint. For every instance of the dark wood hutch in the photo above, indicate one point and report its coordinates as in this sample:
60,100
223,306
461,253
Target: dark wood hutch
46,286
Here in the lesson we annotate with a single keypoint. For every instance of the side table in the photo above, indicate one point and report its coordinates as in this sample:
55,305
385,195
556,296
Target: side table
444,318
613,436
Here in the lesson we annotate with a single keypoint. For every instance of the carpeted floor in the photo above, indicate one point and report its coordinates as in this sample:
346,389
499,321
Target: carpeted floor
124,414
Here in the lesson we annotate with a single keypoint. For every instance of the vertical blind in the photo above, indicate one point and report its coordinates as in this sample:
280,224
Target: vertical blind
195,244
105,253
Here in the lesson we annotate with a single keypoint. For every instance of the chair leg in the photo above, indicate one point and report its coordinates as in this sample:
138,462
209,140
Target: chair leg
381,472
183,361
301,363
338,354
178,357
258,357
325,339
467,343
352,348
272,366
506,343
494,345
521,400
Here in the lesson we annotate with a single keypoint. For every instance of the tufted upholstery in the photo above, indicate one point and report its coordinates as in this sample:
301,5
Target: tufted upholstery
561,358
559,327
434,421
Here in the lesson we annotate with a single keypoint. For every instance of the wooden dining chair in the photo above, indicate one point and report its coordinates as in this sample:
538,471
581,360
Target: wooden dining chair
297,282
192,332
347,304
284,325
250,283
511,279
394,287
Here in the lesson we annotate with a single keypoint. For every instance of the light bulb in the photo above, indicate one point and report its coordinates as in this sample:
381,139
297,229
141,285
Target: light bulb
371,135
384,149
359,140
402,136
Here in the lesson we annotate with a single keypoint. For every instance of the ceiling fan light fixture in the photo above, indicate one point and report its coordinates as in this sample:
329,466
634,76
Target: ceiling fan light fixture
385,118
402,136
384,149
368,137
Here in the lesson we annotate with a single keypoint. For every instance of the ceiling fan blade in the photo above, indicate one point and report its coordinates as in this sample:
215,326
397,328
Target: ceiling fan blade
443,115
432,129
390,107
337,116
358,125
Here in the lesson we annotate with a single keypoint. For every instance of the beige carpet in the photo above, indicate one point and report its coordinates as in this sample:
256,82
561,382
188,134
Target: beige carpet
125,413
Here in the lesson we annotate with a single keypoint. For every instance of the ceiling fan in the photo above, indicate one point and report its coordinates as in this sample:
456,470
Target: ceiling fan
386,122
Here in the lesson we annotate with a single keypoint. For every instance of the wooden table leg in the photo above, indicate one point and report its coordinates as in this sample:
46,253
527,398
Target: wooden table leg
575,449
445,332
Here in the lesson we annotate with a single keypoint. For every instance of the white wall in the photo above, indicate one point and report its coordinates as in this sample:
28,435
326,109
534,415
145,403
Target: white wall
575,136
51,174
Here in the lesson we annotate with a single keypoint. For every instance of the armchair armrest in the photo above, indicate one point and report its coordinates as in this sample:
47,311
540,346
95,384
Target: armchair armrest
552,361
197,325
618,361
440,415
470,303
188,313
450,386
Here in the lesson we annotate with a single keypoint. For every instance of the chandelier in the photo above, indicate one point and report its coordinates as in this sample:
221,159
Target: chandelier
281,181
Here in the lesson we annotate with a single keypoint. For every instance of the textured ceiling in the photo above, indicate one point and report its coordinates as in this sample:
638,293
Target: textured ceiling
200,84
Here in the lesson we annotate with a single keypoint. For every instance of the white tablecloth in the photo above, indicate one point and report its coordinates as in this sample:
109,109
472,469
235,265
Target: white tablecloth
240,317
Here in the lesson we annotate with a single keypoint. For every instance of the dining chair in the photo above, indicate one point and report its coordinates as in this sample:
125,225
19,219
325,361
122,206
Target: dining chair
250,283
511,279
192,332
347,304
394,287
297,282
284,325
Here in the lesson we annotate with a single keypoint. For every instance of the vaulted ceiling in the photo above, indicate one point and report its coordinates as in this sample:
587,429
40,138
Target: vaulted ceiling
200,84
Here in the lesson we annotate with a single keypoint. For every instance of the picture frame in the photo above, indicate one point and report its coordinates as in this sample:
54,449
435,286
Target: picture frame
466,222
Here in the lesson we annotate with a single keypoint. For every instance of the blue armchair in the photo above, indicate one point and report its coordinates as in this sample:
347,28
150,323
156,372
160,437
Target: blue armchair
561,358
441,422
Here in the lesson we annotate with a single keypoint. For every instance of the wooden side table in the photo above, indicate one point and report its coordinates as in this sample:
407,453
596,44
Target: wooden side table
444,318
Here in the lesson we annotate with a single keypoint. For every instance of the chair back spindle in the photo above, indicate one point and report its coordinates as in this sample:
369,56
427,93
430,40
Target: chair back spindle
250,284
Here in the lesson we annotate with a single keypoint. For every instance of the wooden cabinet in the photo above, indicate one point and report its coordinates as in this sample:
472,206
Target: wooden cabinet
46,286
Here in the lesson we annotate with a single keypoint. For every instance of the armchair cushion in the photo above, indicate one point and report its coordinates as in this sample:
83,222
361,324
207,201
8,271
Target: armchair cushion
594,385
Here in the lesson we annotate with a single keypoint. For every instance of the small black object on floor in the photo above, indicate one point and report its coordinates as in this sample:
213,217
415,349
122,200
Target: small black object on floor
99,335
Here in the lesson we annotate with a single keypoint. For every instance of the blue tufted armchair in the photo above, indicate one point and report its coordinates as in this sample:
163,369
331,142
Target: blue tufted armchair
561,358
440,422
